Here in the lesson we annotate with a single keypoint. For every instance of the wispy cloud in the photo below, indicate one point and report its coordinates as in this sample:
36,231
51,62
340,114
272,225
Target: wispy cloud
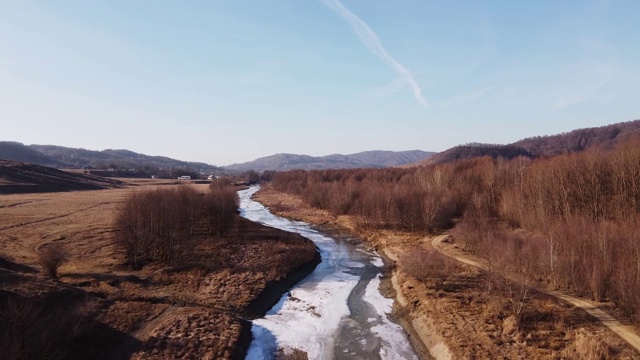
469,97
588,81
369,38
388,89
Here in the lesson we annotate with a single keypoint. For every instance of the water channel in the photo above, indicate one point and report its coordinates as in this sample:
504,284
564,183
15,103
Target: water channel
337,312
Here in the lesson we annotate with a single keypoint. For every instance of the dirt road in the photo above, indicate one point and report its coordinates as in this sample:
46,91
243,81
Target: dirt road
627,333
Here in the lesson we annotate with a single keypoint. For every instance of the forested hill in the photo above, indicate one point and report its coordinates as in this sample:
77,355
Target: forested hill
581,139
544,146
60,156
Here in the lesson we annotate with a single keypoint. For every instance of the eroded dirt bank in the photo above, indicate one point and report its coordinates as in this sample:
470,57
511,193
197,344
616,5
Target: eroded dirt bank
457,312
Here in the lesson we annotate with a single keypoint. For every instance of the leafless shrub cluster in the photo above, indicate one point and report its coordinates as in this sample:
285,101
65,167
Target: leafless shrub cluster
51,257
220,206
571,220
157,225
588,347
39,328
427,265
407,199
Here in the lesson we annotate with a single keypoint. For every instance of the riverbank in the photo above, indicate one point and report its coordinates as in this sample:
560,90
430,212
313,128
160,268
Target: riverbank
455,313
424,340
106,309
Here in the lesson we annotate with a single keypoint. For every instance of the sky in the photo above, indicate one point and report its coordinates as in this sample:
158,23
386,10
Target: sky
229,81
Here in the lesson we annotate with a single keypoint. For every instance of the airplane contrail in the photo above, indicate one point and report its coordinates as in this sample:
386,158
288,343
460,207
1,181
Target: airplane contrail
369,38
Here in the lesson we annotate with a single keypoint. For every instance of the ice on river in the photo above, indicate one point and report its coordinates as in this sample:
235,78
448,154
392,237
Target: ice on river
309,316
395,344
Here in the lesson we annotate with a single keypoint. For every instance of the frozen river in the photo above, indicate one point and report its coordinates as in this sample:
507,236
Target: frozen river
337,312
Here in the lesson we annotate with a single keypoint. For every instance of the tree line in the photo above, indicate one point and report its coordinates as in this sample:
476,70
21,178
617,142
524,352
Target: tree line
572,220
157,225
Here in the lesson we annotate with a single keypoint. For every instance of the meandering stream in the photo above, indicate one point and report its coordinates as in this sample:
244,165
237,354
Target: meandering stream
337,312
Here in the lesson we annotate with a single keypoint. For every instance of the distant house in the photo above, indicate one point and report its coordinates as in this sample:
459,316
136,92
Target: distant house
210,177
184,177
155,177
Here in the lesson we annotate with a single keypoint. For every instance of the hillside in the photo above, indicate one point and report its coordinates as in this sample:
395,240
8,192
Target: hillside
581,139
15,151
543,146
60,156
366,159
17,177
477,150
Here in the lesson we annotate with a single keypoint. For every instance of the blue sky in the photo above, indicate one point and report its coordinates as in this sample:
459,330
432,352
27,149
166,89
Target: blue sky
230,81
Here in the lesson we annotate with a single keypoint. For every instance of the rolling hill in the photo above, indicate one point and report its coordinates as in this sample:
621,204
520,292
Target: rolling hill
366,159
544,146
60,156
19,177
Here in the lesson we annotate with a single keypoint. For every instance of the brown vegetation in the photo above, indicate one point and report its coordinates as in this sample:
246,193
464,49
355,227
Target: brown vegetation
158,225
453,312
571,220
44,327
604,137
195,309
51,258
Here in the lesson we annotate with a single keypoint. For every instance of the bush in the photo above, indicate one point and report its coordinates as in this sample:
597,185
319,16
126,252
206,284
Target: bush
40,328
51,257
427,265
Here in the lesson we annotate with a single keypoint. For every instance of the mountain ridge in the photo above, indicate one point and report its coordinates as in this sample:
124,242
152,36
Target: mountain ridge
364,159
61,156
577,140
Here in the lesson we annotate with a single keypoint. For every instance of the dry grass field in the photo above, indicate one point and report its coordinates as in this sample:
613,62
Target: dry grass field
106,309
455,311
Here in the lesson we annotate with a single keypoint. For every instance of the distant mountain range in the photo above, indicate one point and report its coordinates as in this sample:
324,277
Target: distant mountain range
366,159
140,164
128,163
604,137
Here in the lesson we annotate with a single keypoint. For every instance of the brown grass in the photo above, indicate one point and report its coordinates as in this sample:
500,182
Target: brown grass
146,312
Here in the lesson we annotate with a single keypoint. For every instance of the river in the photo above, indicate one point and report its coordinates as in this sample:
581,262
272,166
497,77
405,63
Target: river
337,312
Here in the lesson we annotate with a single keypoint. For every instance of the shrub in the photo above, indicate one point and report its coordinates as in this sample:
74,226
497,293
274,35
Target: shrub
427,265
40,328
51,257
588,347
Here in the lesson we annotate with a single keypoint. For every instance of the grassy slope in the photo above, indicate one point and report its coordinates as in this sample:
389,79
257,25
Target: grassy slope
154,312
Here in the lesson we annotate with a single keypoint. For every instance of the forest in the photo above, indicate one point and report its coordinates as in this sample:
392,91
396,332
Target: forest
570,221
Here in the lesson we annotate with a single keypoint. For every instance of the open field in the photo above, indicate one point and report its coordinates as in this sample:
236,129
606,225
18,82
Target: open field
115,311
457,311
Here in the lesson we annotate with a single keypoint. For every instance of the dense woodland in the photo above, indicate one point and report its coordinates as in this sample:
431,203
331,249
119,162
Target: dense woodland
571,221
